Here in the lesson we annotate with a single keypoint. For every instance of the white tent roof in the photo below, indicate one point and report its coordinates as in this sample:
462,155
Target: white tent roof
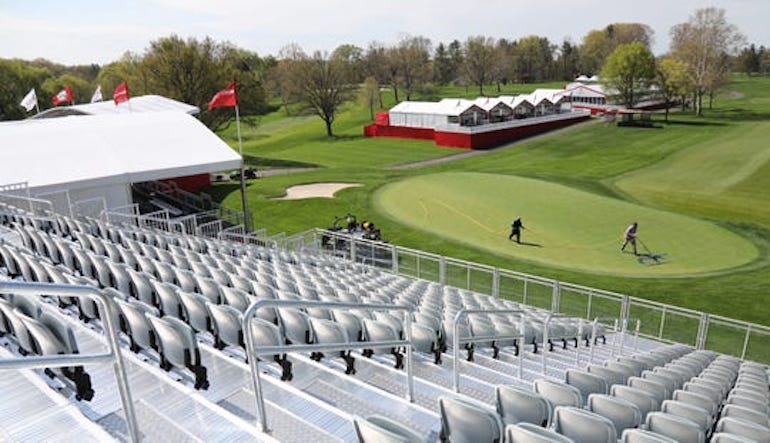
447,106
144,103
80,151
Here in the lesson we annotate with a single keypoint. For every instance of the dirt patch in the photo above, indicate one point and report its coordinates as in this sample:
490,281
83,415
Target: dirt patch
314,190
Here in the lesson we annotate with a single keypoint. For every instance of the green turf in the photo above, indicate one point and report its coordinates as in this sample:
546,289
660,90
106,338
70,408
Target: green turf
564,227
601,159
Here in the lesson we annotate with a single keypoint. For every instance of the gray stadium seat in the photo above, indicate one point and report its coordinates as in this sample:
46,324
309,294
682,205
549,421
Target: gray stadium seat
295,326
328,332
426,340
375,330
749,402
379,429
743,413
226,325
642,436
235,297
516,405
678,428
671,383
529,433
643,400
658,390
141,287
195,312
465,422
743,428
586,382
168,299
559,394
699,416
177,347
583,426
611,376
695,399
708,391
268,334
136,324
622,413
724,437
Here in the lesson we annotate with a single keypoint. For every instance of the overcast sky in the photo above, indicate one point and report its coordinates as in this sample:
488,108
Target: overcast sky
90,31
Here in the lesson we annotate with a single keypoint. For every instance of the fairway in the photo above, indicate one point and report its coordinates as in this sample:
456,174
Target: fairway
564,227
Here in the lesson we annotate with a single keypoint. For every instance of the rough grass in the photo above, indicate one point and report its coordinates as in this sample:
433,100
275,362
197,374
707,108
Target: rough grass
636,165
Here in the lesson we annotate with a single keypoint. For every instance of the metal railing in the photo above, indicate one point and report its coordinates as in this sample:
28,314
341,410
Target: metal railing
658,321
253,350
107,316
463,314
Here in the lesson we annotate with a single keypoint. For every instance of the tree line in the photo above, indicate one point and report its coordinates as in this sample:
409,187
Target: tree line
704,50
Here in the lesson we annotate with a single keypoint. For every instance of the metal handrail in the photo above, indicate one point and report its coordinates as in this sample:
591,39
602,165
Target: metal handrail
456,340
252,350
106,314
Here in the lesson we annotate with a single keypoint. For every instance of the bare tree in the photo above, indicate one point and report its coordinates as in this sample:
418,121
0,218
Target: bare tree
413,61
480,61
702,43
323,86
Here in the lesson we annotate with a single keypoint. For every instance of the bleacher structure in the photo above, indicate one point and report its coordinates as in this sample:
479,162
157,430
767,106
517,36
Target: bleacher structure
134,328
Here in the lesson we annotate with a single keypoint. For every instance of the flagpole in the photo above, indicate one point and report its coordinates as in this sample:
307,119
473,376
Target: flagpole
244,201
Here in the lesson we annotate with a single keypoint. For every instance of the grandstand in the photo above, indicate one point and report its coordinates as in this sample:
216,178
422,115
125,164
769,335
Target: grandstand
129,328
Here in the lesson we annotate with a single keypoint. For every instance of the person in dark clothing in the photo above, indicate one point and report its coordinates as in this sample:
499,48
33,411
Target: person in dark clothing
516,228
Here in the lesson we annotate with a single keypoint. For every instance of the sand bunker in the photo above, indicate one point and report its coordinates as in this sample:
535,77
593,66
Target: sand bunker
313,190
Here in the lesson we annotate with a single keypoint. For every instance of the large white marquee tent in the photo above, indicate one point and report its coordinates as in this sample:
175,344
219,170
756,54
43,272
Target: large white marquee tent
102,155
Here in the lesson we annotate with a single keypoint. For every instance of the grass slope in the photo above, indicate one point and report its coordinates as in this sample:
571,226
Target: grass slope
567,228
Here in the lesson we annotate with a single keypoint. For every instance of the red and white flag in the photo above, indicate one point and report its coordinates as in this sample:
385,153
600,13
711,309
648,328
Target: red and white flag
226,98
121,93
63,96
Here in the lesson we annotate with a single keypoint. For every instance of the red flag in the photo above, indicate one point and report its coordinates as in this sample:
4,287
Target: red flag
224,98
121,93
63,96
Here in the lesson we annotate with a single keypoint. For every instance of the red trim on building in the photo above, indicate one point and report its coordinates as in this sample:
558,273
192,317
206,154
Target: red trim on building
191,183
479,140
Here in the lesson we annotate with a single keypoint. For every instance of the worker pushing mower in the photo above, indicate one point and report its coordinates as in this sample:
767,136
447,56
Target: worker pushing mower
630,237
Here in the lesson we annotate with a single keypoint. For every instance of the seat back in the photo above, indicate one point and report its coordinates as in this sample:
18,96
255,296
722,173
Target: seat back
622,413
642,399
743,428
235,297
530,433
375,330
642,436
195,311
462,421
699,416
724,437
295,325
516,405
695,399
658,390
559,394
327,331
137,324
611,376
378,429
586,382
678,428
226,323
583,426
743,413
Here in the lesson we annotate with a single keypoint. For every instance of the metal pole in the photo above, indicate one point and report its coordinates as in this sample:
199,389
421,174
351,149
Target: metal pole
244,200
545,342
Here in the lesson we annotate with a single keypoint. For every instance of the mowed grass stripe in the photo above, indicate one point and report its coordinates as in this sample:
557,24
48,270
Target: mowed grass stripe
564,227
721,175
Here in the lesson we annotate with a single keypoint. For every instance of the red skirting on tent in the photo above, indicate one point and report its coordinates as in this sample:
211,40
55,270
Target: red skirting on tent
478,140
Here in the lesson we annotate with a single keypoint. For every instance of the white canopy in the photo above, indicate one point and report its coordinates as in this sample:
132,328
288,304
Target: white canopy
79,152
143,103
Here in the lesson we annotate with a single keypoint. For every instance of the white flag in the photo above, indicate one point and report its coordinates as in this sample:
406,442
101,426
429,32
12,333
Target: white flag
30,100
97,97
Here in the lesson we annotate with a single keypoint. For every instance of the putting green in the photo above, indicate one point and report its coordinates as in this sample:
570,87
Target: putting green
564,227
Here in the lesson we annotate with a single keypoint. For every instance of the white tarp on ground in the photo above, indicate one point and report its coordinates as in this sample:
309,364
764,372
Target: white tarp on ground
109,151
143,103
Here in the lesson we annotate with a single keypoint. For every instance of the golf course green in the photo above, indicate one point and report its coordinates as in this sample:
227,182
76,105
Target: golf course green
564,227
